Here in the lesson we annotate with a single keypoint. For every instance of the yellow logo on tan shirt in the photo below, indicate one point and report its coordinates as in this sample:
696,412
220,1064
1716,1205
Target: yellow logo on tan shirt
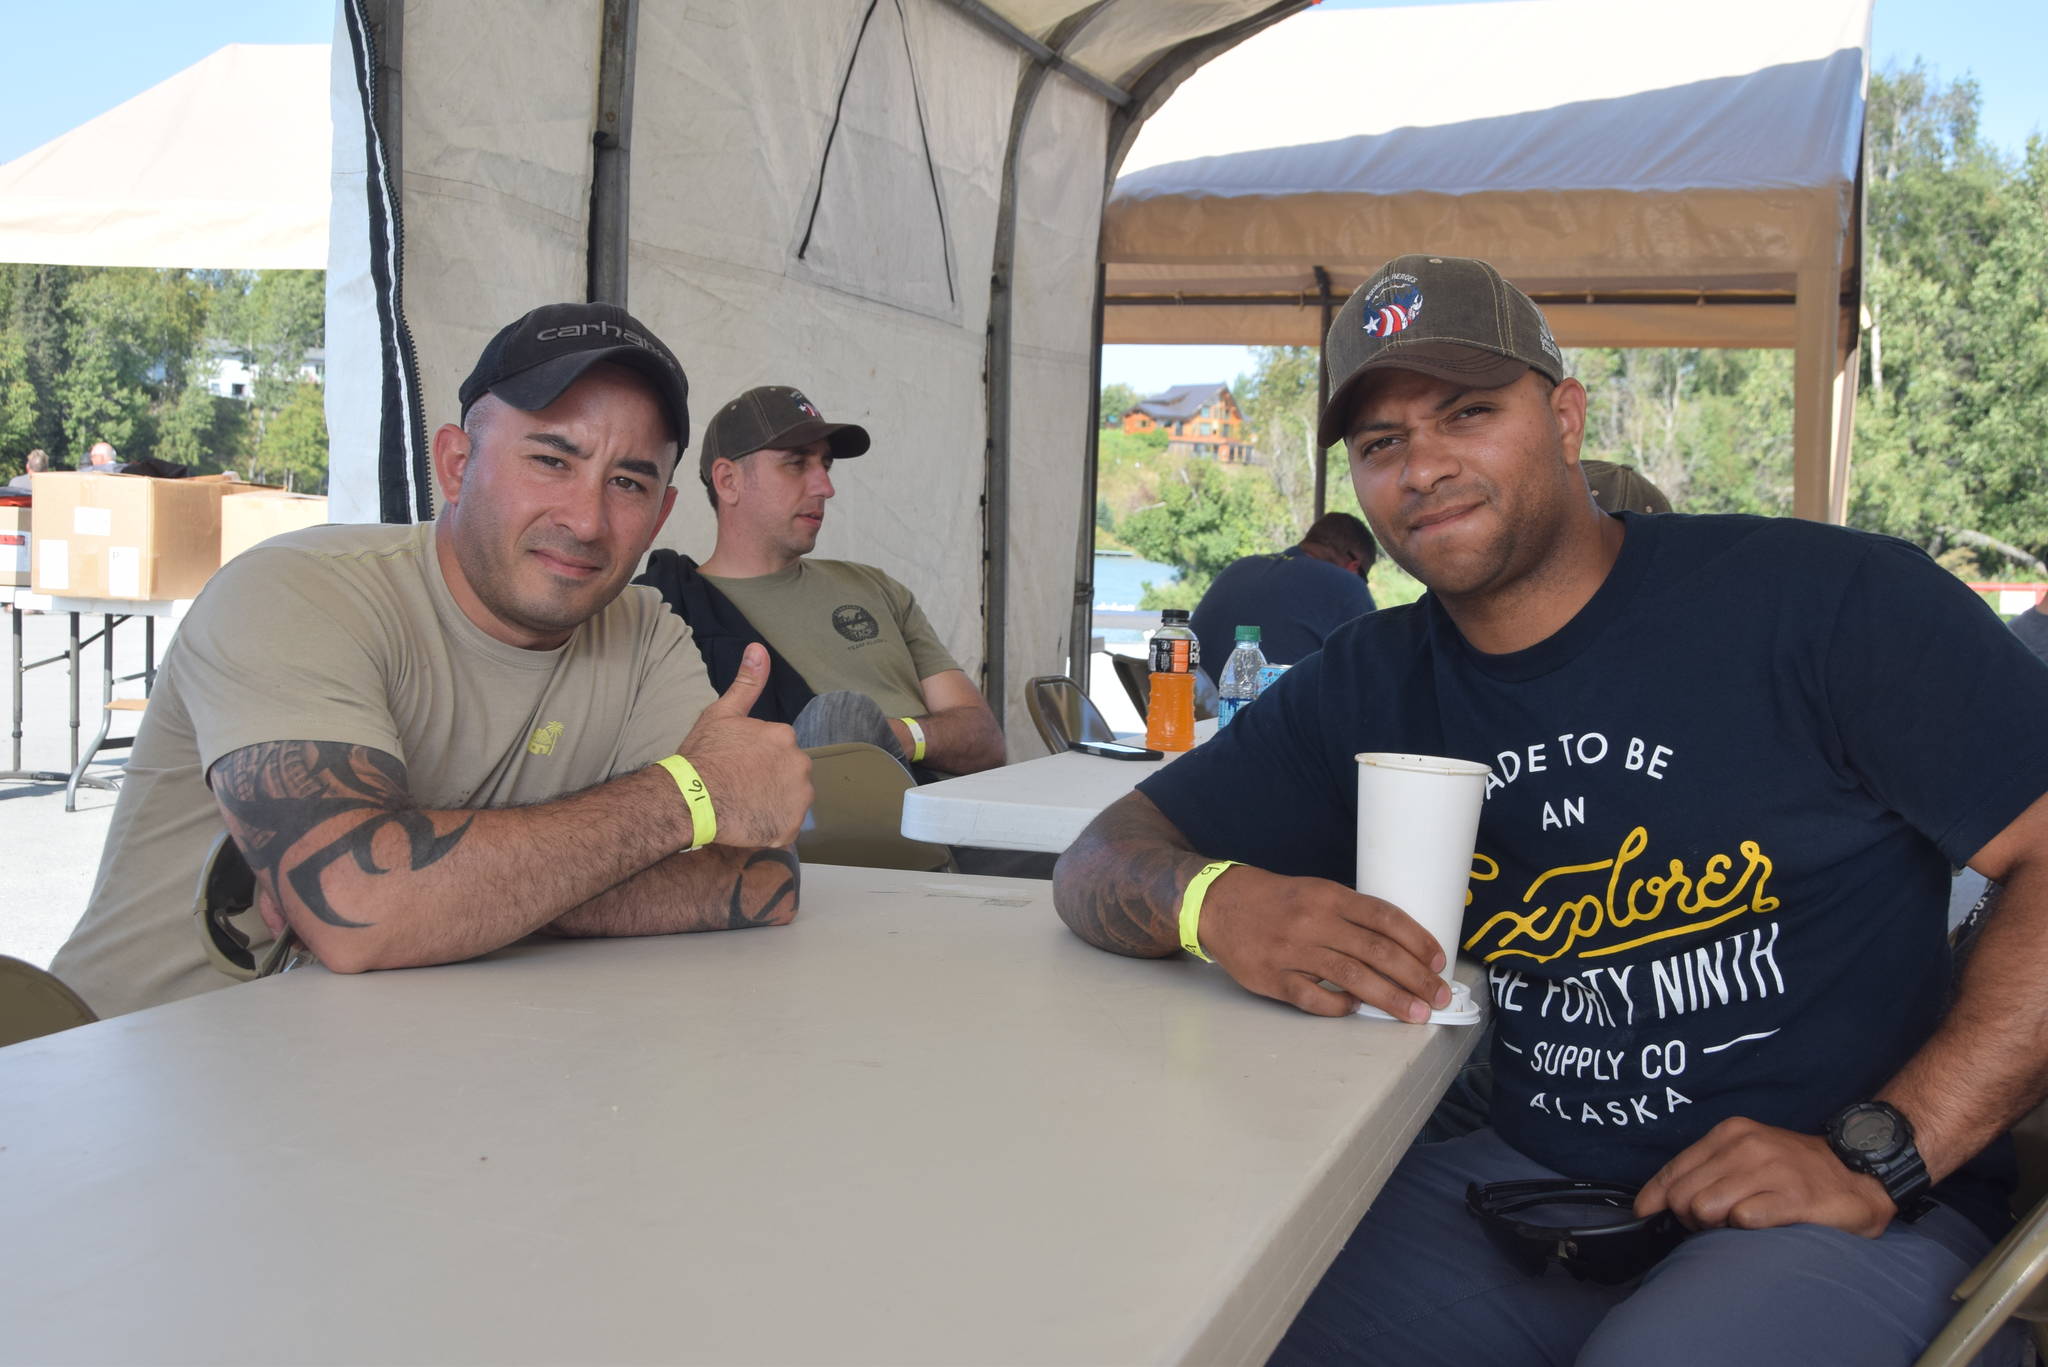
544,738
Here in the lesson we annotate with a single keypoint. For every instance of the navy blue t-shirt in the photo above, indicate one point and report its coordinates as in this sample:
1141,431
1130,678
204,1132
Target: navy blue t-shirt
1713,863
1294,599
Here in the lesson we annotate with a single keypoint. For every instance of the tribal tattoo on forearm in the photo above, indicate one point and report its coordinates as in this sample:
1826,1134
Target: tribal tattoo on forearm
277,794
774,888
1119,886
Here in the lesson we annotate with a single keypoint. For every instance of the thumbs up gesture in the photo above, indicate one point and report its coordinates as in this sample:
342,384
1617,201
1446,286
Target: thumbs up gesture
759,780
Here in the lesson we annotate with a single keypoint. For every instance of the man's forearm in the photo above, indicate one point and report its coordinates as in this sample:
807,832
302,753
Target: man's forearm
1119,885
962,740
370,881
1985,1068
710,889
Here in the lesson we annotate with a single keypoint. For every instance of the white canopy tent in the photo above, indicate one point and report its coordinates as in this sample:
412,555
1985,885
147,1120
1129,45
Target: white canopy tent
1652,176
222,166
892,204
898,206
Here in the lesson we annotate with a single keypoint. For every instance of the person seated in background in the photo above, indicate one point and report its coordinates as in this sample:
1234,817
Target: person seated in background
1295,597
853,657
101,460
430,741
1734,760
38,463
2031,627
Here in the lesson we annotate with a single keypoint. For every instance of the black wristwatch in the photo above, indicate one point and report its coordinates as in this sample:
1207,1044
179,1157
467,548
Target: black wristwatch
1872,1137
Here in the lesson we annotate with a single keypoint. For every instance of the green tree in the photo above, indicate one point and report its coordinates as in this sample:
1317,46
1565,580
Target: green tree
1207,516
203,431
131,335
293,448
1117,400
32,314
20,413
270,321
1279,403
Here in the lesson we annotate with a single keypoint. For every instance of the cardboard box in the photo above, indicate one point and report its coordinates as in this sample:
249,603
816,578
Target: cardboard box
249,518
126,536
16,546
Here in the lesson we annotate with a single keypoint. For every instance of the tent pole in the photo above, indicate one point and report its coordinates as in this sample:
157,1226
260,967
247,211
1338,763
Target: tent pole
611,169
1848,350
1039,53
995,547
1150,90
1815,367
1081,635
1322,392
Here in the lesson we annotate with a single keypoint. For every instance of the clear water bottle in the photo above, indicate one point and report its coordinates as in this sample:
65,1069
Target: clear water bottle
1240,683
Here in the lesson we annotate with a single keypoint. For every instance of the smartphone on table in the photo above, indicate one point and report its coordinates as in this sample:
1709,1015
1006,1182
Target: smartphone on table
1110,749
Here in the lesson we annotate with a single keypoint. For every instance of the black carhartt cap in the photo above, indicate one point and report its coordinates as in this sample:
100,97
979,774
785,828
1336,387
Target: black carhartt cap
1447,316
774,417
532,362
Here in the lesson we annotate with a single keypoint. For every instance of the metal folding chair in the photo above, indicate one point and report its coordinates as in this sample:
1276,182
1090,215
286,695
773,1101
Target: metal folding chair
856,816
1062,712
2007,1284
34,1003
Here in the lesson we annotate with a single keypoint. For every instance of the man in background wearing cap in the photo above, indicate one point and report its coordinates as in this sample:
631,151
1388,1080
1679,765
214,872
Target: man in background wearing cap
1733,761
430,741
854,657
1623,488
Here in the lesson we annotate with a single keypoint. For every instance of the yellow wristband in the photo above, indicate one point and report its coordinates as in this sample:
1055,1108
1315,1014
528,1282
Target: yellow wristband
703,825
1191,907
916,739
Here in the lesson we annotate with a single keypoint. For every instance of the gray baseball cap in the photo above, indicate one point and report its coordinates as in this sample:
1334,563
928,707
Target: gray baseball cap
774,417
1447,316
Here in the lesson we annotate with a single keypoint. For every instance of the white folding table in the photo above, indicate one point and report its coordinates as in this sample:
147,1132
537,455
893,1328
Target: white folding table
1041,804
923,1124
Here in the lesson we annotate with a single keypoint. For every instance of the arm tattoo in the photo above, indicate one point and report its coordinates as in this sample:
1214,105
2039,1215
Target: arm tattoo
779,888
276,795
1118,887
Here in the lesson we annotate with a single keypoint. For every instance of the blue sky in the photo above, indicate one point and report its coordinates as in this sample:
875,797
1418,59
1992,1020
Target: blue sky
79,58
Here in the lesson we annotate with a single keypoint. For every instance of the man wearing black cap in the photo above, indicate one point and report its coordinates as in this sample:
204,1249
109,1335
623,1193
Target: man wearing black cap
430,741
1733,762
853,657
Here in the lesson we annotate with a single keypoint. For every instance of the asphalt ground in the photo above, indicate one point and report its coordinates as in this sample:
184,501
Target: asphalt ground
48,856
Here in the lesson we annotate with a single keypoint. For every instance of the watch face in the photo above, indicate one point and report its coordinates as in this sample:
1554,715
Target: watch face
1869,1131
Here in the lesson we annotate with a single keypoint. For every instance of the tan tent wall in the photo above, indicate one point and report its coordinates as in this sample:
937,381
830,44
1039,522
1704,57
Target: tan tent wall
892,204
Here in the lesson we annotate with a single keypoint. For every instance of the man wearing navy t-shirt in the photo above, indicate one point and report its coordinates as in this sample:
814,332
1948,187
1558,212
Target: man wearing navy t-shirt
1295,597
1733,762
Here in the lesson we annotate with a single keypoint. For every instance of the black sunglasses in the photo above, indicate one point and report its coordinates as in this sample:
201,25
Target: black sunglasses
1538,1222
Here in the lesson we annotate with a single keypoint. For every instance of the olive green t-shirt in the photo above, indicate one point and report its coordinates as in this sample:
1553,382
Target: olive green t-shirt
843,625
349,634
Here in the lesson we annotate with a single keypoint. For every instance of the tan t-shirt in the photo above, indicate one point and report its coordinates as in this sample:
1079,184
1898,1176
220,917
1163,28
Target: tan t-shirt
349,634
843,625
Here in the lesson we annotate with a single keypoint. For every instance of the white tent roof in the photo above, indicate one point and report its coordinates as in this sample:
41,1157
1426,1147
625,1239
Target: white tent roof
224,165
1651,176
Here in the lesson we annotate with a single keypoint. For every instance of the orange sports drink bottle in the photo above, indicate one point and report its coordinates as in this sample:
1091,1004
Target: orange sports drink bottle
1170,711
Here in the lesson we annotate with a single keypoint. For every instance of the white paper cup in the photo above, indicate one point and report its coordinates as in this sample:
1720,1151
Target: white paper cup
1418,819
